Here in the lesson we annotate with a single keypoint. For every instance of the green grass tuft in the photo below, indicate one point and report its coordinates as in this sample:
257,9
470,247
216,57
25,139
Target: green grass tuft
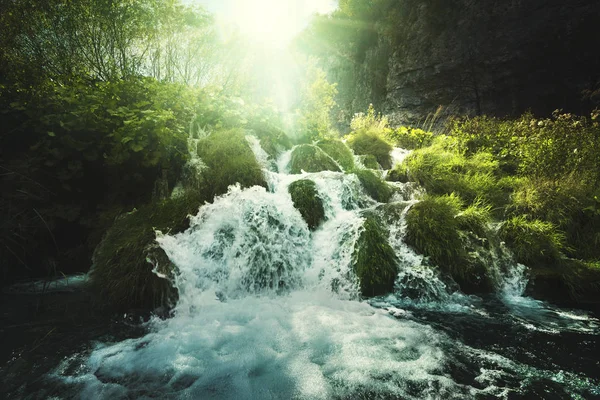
370,142
229,160
338,150
376,187
306,199
374,261
310,158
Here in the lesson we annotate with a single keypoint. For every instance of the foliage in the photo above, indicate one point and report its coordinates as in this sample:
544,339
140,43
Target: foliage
371,142
410,138
377,188
573,282
306,199
229,160
123,262
534,242
369,121
317,100
370,162
338,150
310,158
374,261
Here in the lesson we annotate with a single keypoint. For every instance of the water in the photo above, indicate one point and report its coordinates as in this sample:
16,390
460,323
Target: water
269,310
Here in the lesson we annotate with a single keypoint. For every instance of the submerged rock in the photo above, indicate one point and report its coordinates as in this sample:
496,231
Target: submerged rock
309,158
370,143
306,199
374,260
376,187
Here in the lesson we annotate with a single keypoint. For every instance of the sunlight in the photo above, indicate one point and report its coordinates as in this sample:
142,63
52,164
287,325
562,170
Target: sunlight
271,23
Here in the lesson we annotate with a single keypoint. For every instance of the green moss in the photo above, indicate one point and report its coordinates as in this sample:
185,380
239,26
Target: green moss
439,229
475,218
369,142
229,160
573,282
306,199
338,150
398,174
535,243
369,161
374,185
374,261
122,274
311,158
272,139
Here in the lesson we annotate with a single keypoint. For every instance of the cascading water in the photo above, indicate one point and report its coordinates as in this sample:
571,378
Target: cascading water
269,310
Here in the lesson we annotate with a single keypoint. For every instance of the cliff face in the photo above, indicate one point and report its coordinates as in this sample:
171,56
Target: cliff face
477,57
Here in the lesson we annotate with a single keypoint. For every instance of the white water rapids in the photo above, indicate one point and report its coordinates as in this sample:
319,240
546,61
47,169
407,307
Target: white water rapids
269,310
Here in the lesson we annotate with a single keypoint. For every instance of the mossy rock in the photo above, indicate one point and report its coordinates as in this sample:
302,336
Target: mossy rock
310,158
571,283
230,160
121,273
436,229
366,142
398,174
338,150
374,185
534,242
374,260
306,200
272,139
369,161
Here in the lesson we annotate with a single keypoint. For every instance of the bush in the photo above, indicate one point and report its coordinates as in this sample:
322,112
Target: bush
310,158
371,142
122,270
535,243
338,150
306,200
374,185
438,229
410,138
229,160
374,261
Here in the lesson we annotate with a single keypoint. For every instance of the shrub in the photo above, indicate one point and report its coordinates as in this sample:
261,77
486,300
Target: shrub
437,229
371,142
229,160
534,242
306,200
411,138
122,272
338,150
374,261
377,188
310,158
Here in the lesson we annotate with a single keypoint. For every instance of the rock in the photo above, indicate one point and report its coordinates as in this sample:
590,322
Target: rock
310,158
306,199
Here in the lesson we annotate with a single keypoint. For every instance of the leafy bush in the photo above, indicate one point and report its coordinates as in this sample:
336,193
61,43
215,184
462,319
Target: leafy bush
535,243
337,150
377,188
310,158
306,199
371,142
229,160
123,262
411,138
374,261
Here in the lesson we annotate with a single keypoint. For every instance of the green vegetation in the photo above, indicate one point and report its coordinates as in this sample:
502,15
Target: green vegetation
313,119
240,166
310,158
376,187
371,143
370,162
374,261
123,262
439,228
306,199
410,138
337,150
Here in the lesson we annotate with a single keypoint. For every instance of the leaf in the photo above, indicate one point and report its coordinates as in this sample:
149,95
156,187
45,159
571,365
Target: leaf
51,134
126,140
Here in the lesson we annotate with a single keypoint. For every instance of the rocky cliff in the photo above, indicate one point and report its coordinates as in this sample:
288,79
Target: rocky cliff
473,57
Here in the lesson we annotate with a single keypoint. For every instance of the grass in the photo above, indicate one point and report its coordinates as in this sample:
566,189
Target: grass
122,274
375,187
310,158
306,200
371,142
374,261
229,160
338,150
